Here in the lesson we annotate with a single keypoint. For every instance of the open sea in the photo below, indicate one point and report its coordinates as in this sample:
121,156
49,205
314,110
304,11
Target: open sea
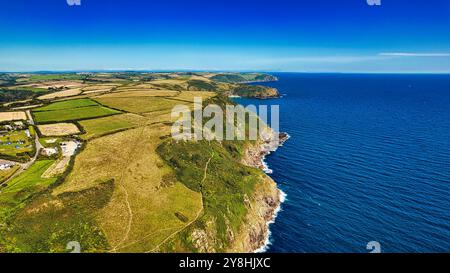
368,160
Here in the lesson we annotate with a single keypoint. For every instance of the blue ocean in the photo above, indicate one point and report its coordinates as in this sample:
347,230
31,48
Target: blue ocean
368,160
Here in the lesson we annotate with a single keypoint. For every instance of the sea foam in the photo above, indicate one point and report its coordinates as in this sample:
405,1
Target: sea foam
267,243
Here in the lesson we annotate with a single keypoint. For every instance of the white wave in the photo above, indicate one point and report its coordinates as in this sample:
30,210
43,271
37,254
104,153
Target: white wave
270,150
266,168
283,197
267,243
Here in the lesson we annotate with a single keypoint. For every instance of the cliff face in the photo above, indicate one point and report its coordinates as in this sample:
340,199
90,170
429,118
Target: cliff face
243,77
238,199
269,92
255,91
264,202
261,210
265,78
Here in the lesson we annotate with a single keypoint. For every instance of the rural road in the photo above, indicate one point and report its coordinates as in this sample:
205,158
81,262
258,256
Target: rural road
25,166
37,144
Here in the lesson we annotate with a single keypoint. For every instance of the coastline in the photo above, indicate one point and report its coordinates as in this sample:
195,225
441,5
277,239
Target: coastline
268,203
267,242
272,79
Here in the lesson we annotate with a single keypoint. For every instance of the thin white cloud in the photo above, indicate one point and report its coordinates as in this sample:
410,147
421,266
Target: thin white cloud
314,59
409,54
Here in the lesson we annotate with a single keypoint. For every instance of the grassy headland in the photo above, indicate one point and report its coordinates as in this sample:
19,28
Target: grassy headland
132,188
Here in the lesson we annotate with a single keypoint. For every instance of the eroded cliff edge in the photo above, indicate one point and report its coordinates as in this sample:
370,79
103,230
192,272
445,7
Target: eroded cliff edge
239,199
266,200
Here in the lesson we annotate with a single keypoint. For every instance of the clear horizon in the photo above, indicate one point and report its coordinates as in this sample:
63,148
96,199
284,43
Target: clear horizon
213,71
289,36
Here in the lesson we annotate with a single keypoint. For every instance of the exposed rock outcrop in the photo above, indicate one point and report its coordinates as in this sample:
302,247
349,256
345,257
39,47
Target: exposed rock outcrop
266,199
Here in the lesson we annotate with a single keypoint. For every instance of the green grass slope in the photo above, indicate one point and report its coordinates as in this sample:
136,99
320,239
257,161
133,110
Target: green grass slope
243,77
71,110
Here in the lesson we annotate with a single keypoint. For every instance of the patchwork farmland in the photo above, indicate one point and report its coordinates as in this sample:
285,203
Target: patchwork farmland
71,110
127,189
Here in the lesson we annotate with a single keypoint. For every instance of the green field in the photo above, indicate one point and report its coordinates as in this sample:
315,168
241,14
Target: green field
71,110
106,125
29,88
47,222
67,104
137,104
24,185
43,141
50,77
146,104
73,114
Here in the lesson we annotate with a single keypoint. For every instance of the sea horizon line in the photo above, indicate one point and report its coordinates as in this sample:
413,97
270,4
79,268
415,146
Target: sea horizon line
56,71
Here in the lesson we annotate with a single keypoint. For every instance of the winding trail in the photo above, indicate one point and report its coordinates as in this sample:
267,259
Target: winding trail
130,212
178,231
205,172
127,202
145,237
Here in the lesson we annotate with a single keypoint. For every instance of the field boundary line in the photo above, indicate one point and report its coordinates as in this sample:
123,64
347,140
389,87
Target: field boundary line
205,172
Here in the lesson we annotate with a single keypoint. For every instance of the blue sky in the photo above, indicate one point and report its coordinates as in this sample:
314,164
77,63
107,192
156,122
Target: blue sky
307,36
